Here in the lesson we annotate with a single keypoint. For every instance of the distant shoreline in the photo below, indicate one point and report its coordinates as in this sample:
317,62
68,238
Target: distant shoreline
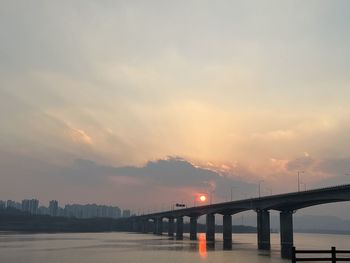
19,222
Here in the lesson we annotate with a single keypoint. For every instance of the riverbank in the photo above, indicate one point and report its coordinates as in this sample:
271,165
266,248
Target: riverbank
18,221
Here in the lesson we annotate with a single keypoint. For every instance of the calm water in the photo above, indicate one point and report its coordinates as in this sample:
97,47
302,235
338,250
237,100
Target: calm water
124,247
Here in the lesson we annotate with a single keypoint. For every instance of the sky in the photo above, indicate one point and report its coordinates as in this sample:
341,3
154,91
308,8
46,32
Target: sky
145,103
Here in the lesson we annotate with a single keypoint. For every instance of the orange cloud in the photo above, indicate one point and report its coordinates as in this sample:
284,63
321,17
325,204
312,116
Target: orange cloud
79,136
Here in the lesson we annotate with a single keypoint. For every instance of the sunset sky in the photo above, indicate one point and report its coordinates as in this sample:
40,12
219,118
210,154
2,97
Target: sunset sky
152,102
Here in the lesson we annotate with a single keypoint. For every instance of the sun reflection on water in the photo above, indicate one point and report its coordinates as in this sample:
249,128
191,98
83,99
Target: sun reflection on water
202,248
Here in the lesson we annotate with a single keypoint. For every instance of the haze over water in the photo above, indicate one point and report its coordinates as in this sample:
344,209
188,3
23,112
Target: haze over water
132,248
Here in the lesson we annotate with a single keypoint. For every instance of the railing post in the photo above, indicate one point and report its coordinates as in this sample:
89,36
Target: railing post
293,255
334,256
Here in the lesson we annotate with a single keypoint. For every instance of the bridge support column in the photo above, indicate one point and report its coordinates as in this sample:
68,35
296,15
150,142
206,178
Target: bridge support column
263,229
227,231
140,226
149,226
130,224
134,227
145,226
193,228
171,227
210,231
159,226
179,228
154,226
286,229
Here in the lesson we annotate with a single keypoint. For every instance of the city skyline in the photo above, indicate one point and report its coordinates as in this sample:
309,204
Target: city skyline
34,207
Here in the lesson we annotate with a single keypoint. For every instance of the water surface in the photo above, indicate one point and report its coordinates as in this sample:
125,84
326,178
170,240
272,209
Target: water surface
128,247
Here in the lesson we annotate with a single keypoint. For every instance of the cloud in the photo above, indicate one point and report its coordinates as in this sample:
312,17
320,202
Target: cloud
219,84
275,135
335,167
79,136
173,172
303,163
329,166
85,180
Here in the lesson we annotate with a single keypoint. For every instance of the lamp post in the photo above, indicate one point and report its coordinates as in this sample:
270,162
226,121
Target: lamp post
270,190
299,172
232,192
211,197
260,187
304,186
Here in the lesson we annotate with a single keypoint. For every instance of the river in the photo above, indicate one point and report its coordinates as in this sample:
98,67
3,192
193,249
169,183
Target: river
131,248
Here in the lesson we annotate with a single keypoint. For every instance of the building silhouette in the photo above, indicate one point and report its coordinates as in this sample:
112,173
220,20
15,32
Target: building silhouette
126,213
53,208
70,210
30,206
13,204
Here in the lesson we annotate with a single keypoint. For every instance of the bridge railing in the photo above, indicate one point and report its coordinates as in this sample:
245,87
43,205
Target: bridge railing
330,255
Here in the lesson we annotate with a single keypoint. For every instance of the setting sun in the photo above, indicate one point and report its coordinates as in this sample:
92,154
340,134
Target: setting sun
202,198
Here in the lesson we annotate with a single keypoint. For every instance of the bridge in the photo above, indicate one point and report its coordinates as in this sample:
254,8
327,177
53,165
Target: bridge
286,204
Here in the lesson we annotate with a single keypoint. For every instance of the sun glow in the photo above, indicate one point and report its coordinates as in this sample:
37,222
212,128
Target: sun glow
202,198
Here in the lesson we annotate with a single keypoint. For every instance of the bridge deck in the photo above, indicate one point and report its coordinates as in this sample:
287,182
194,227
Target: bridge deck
280,202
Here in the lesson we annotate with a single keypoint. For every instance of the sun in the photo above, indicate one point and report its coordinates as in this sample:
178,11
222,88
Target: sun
202,198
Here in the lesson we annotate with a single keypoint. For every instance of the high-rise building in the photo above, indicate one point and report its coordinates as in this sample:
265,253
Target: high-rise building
13,204
91,210
30,206
43,210
70,210
126,213
53,208
60,211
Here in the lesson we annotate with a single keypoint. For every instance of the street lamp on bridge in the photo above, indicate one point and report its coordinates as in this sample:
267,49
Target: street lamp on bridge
299,172
259,183
232,192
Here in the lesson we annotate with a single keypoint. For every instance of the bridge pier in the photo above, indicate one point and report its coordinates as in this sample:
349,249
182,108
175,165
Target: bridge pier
210,229
227,231
263,229
130,224
139,226
134,226
159,226
286,229
145,226
193,228
179,228
171,227
154,226
151,226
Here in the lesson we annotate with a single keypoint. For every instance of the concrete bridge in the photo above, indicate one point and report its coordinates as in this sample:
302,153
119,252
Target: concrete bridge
286,204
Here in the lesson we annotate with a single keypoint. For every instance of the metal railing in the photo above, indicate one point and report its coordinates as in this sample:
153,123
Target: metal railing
331,255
